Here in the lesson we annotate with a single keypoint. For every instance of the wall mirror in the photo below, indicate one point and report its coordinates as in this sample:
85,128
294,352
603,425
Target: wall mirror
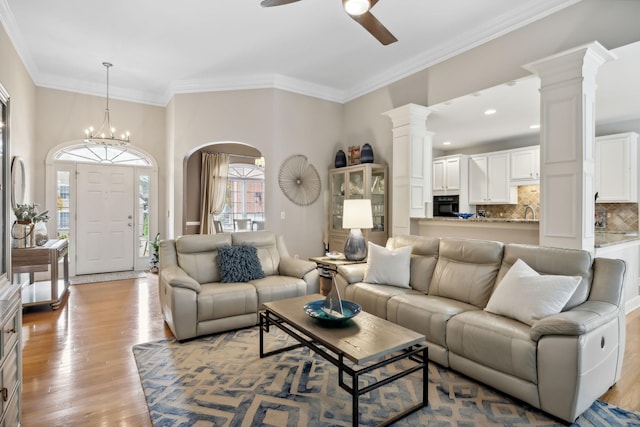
17,181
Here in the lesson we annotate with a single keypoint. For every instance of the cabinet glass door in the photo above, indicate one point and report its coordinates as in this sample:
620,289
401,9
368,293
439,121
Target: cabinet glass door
356,184
338,185
378,195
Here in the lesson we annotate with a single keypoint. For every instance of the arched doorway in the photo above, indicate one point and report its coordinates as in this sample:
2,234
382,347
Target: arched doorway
104,199
246,195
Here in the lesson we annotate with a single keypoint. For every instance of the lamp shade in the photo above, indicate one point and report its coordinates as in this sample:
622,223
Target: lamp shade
357,214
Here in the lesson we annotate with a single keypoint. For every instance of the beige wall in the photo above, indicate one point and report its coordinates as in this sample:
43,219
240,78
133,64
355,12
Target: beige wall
16,80
280,124
62,117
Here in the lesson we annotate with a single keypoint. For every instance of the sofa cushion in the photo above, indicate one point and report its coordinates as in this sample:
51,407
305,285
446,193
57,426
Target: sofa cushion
546,260
197,255
466,270
494,341
217,300
388,266
274,288
239,264
527,296
265,243
425,314
424,254
372,298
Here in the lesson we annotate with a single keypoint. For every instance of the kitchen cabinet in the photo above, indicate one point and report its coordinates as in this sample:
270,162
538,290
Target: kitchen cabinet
489,180
525,165
447,175
364,181
616,163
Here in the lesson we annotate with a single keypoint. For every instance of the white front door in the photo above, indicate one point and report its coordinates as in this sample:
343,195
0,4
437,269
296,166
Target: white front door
105,212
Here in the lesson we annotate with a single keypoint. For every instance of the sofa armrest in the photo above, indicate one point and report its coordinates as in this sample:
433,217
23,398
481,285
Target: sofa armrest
577,321
295,267
352,273
176,277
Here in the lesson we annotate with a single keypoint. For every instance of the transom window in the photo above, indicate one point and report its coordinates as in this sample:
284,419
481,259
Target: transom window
120,155
245,195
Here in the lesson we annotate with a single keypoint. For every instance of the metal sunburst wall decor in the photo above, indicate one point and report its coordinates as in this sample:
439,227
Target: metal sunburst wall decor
299,180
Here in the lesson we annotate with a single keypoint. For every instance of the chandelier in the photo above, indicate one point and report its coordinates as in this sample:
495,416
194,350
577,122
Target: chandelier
106,134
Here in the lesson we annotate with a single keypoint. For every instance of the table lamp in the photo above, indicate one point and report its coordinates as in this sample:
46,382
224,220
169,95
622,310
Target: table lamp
356,215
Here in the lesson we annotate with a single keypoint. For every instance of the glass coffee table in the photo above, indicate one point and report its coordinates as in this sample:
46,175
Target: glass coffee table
360,345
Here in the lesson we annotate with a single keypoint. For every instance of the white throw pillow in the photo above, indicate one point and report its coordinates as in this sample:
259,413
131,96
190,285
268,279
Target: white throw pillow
388,266
525,295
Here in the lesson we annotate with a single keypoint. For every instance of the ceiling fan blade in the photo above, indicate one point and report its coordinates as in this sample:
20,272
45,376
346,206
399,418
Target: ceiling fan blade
269,3
375,27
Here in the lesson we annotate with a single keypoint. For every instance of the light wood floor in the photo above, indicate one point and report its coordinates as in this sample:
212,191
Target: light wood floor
78,368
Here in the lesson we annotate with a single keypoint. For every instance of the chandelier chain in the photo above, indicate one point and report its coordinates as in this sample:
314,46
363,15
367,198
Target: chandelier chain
106,133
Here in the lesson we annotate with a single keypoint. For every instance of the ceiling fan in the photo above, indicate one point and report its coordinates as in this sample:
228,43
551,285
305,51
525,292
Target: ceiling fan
359,10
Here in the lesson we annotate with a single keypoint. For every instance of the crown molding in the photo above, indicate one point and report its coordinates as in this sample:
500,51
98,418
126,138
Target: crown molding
264,81
499,26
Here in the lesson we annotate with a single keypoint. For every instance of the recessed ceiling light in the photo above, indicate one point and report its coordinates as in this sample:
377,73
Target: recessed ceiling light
446,143
534,127
490,111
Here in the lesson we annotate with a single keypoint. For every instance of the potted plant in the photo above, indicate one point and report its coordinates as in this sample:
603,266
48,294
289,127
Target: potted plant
155,258
25,229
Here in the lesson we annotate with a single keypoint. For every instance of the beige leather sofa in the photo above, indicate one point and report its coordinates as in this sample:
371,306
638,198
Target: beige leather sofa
560,364
195,303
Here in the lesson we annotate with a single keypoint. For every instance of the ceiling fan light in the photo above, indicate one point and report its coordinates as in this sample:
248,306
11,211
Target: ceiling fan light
357,7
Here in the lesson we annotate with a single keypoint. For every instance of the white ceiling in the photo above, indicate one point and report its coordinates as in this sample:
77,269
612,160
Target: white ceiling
462,121
163,47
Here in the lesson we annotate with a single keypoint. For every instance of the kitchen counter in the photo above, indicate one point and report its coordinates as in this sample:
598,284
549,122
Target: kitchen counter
609,239
477,219
507,230
502,229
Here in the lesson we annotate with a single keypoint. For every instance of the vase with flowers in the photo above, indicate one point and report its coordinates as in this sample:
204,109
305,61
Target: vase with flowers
29,228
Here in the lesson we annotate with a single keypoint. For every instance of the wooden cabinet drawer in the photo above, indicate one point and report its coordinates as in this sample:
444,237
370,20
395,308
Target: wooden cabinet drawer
12,413
10,376
9,332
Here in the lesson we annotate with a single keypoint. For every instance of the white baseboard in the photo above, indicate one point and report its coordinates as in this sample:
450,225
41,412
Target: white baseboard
632,304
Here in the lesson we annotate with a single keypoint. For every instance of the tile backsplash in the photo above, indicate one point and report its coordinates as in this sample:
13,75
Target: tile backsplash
528,195
620,217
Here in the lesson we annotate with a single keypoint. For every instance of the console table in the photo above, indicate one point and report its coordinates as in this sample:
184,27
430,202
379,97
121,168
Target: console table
43,258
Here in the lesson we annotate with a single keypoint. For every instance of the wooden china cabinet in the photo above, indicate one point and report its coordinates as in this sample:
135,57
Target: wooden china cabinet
10,300
363,181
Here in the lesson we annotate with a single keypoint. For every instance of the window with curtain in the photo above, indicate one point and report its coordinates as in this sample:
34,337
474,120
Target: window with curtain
245,195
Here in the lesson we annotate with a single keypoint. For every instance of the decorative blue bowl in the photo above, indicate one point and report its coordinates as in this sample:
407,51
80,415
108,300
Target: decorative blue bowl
314,310
463,215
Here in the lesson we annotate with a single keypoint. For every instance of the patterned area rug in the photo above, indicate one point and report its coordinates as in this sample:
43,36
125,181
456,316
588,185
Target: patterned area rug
220,380
106,277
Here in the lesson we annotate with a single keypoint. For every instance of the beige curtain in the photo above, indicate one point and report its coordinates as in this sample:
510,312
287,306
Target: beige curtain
213,188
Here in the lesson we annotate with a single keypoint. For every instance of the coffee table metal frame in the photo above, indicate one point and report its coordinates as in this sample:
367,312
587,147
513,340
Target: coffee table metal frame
417,353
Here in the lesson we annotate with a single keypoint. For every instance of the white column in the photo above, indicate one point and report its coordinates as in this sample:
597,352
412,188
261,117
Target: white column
567,137
411,166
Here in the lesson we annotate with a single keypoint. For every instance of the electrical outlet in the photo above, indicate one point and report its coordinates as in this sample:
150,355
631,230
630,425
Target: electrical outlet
283,215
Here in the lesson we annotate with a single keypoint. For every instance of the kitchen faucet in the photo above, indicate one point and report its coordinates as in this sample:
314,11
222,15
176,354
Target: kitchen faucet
527,209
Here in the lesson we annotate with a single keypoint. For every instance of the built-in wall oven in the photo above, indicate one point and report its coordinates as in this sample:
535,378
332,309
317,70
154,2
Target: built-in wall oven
445,205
